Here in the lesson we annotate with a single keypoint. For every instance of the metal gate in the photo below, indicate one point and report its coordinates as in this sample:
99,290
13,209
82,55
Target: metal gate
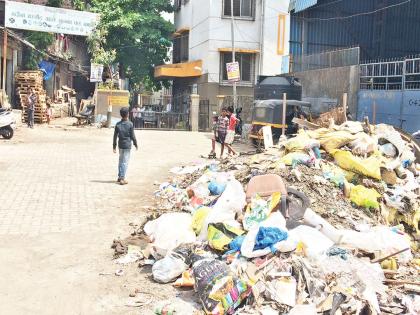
204,115
390,92
164,112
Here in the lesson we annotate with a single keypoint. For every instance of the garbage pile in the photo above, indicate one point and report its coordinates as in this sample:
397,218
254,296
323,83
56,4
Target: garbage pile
325,223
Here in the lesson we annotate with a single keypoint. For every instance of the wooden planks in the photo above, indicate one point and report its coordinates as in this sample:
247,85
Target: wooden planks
24,80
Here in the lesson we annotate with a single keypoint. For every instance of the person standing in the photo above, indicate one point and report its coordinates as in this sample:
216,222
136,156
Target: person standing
31,100
230,136
220,130
124,132
136,116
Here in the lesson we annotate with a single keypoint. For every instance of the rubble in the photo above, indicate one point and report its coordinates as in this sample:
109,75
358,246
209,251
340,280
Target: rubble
339,233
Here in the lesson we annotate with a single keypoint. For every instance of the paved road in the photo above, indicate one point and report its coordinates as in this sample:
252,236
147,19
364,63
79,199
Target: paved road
60,210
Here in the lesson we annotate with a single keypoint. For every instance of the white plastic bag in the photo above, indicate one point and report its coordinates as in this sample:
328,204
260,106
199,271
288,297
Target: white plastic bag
315,242
379,239
168,269
169,231
275,220
231,202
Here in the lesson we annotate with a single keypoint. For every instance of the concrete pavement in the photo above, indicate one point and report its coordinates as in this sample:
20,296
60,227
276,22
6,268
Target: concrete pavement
60,209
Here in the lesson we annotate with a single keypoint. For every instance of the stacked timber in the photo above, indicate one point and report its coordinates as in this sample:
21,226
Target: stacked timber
24,80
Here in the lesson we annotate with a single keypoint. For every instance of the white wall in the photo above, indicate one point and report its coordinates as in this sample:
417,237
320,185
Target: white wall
209,31
272,60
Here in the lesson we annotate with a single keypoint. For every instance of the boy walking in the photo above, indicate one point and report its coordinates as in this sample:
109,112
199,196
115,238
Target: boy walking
124,131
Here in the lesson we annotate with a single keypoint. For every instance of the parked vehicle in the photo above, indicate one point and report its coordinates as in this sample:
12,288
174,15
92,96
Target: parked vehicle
270,112
7,123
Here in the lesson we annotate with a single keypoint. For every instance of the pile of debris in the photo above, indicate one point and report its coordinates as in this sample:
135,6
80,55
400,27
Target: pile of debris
325,223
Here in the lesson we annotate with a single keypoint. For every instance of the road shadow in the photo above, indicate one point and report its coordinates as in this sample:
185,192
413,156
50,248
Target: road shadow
104,181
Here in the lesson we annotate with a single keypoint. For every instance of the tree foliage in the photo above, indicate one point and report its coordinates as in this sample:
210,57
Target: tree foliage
135,33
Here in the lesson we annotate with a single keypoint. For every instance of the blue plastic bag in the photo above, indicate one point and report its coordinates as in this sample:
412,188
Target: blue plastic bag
268,237
216,188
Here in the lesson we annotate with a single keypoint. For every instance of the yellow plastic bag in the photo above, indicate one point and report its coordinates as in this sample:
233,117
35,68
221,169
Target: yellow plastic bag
365,197
198,219
370,167
220,235
333,139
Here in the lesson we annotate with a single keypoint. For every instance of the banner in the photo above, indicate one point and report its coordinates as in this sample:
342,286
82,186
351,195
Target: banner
41,18
233,71
96,72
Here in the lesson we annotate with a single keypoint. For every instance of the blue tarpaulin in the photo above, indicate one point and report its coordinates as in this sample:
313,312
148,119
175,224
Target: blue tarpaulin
301,5
47,68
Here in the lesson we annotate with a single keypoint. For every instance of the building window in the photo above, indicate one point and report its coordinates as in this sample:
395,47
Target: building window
241,8
246,66
181,48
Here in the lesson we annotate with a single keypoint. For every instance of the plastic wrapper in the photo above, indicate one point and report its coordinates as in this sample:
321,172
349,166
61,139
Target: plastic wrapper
220,235
219,290
259,210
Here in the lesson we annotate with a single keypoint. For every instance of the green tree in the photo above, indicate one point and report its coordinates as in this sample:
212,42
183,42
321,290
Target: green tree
135,33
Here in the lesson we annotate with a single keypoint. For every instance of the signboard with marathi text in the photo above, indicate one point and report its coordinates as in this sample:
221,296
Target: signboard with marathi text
118,100
233,72
41,18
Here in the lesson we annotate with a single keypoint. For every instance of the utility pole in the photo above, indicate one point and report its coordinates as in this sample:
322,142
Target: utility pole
232,18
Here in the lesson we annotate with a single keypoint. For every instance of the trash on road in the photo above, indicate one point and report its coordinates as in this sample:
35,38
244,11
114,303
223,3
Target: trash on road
325,222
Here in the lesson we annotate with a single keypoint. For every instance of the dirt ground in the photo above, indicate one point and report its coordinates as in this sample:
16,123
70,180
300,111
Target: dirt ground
60,209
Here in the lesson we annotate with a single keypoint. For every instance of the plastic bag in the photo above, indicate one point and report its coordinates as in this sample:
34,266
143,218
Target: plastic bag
379,239
388,149
275,220
333,139
295,156
259,210
365,197
315,243
168,231
301,142
216,188
198,218
168,269
363,144
221,234
230,203
268,237
370,167
219,290
173,264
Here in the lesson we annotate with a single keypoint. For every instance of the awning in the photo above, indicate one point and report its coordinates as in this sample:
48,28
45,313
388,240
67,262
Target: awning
179,70
301,5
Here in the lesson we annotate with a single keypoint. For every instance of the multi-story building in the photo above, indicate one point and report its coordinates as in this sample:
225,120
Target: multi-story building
202,46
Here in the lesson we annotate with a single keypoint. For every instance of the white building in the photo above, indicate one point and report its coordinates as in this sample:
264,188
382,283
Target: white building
202,45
